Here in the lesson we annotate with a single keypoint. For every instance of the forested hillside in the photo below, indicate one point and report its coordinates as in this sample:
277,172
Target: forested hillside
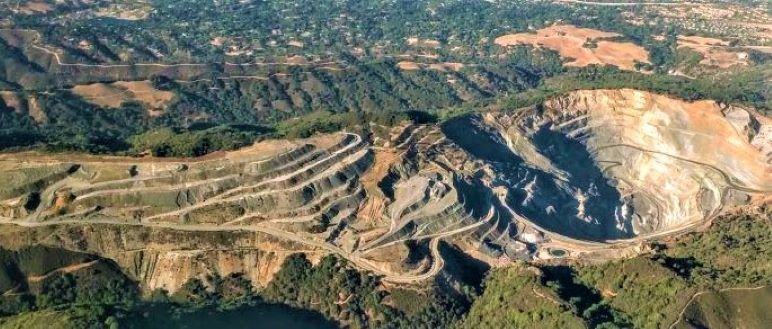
71,74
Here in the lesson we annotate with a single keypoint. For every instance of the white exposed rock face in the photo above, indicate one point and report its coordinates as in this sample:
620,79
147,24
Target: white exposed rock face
634,163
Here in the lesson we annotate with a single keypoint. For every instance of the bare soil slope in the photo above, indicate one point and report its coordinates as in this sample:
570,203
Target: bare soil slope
581,45
112,95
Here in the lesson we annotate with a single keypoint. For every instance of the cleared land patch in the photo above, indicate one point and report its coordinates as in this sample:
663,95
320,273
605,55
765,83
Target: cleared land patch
12,100
33,7
582,46
412,66
126,11
408,66
427,43
715,52
114,94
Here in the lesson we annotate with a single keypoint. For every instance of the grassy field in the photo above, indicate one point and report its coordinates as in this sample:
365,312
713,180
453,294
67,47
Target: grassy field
741,308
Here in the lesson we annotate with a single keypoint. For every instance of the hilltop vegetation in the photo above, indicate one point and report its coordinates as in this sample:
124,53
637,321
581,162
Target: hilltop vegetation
516,298
355,298
72,289
746,88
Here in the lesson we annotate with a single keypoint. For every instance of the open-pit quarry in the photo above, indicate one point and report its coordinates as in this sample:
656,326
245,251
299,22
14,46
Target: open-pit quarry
588,175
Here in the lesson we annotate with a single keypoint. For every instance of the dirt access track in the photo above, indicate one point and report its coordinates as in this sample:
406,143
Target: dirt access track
581,45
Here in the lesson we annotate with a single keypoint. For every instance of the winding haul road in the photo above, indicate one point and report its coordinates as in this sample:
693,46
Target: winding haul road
328,164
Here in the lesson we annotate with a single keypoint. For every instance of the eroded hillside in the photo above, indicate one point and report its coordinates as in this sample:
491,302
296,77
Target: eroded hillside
589,175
